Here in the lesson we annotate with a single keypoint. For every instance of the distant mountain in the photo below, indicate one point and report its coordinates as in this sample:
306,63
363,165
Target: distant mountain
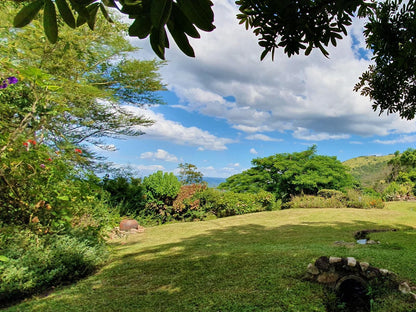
369,169
213,182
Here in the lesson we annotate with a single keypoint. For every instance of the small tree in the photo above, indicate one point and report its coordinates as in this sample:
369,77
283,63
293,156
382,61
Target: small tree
189,174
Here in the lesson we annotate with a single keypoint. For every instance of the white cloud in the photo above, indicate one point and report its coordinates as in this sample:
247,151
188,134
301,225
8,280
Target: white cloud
307,135
402,139
262,137
310,97
159,155
253,151
172,131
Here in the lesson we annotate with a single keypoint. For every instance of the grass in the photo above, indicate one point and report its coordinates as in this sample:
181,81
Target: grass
253,262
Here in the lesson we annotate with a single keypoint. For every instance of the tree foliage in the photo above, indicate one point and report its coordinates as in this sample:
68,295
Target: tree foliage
293,25
390,82
189,174
54,99
287,175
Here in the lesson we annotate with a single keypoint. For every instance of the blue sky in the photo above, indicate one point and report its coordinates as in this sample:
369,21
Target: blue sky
226,107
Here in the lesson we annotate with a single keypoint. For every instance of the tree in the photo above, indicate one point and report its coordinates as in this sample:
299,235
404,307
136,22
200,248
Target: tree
294,25
79,89
188,174
53,100
288,175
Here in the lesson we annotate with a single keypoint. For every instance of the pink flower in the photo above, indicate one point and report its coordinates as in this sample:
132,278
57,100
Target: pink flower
42,166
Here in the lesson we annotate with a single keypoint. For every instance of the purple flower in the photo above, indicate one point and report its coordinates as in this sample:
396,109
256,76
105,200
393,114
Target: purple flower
42,166
3,84
12,80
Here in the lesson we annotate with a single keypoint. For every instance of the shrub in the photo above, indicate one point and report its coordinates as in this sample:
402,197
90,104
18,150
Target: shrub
162,187
126,193
395,190
30,263
224,204
357,199
311,201
187,205
352,199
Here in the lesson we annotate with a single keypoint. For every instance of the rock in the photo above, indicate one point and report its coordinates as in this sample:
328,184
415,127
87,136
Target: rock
322,263
404,288
312,269
328,278
351,261
334,259
128,224
364,266
384,272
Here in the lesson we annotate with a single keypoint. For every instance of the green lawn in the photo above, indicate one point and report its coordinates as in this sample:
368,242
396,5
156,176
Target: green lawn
253,262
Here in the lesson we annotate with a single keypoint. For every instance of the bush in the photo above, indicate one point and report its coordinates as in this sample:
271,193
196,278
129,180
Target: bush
336,199
30,263
162,188
126,193
187,205
224,204
395,190
311,201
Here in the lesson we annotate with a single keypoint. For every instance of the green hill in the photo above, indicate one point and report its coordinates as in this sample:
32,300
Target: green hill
369,169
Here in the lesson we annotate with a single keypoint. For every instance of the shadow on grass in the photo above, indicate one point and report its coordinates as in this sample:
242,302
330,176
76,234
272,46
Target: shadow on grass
236,268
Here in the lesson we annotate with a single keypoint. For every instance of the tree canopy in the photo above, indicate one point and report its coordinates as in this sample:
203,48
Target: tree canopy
56,100
189,174
293,25
287,175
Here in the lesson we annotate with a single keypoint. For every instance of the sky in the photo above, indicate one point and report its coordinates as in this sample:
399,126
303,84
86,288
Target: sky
225,107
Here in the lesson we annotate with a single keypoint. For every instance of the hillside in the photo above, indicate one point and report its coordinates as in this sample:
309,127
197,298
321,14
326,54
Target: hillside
369,169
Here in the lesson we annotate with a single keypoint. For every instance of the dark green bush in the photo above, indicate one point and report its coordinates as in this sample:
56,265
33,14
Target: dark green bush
30,263
126,193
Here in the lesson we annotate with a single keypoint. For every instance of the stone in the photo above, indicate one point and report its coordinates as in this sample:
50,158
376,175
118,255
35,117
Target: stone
322,263
364,266
384,272
404,288
328,278
351,261
129,224
334,259
312,269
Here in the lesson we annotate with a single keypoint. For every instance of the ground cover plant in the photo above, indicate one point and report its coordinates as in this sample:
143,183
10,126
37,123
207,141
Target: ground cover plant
253,262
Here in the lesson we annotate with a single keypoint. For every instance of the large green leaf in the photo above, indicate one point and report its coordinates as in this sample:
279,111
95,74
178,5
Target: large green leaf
182,22
49,21
27,13
180,39
93,9
105,13
160,12
199,13
66,13
140,27
159,41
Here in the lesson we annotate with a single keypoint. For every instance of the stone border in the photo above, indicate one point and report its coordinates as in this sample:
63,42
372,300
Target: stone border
333,271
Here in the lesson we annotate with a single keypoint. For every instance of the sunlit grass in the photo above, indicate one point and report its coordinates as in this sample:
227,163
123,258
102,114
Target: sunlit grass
252,262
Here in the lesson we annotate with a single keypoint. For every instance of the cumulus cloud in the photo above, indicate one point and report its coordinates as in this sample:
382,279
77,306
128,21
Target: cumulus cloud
311,97
159,155
262,137
171,131
253,151
401,139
